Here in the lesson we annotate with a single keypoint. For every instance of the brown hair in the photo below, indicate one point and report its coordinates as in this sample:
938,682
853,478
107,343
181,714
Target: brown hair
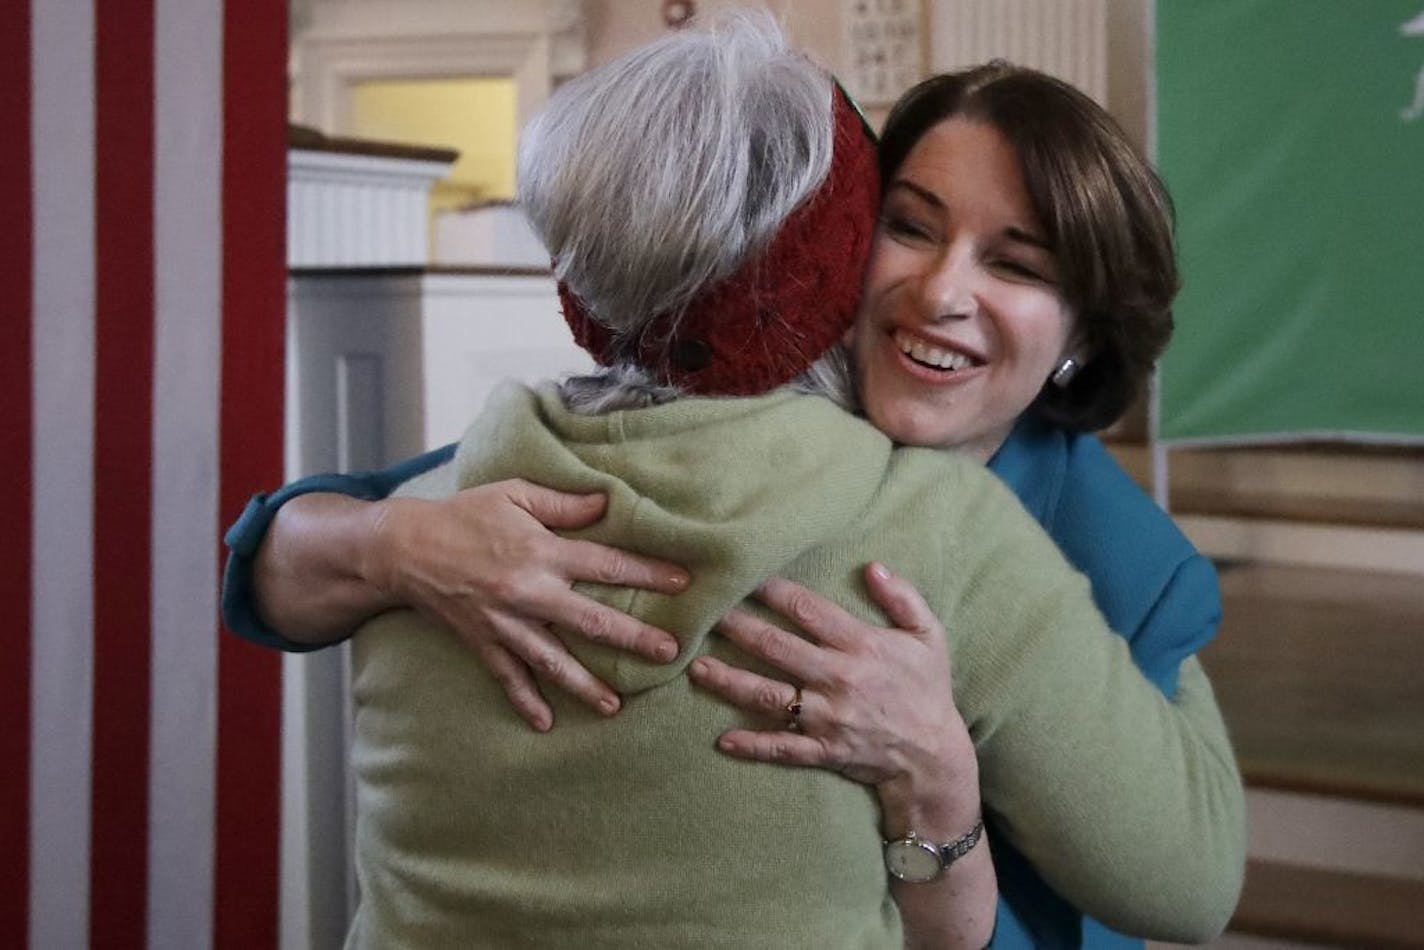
1106,212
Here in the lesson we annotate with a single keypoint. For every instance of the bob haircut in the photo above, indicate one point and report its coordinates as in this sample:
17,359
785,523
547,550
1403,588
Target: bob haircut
1106,213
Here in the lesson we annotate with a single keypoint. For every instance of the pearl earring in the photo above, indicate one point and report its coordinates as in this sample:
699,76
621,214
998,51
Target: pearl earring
1065,372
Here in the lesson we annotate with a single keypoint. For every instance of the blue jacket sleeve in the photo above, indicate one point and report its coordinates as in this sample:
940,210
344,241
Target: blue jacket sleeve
245,536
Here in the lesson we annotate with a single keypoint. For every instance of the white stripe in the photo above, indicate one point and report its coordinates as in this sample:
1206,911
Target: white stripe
62,73
187,368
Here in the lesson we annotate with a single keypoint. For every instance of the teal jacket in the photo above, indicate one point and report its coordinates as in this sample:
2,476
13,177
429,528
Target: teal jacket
1151,585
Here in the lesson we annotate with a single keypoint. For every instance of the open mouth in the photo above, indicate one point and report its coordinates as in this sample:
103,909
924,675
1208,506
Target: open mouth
931,356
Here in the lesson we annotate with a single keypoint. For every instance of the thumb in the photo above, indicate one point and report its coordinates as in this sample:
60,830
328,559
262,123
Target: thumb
557,509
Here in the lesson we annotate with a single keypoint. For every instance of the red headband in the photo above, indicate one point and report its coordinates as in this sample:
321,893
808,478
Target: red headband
783,308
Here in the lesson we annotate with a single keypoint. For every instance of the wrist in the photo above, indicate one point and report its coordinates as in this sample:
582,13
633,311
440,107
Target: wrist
919,859
938,798
379,548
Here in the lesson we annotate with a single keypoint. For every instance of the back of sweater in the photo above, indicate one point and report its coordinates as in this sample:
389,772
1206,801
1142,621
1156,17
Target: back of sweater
636,832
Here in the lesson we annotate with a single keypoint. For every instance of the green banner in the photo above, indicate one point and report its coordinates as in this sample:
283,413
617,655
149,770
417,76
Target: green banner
1291,135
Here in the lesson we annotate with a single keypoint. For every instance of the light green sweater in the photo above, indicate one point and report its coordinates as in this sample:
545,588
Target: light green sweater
474,831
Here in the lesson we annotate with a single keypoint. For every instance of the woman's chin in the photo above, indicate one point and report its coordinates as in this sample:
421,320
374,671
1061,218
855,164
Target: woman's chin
935,428
913,425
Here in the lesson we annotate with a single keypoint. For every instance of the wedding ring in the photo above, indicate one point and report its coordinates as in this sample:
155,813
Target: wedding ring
793,709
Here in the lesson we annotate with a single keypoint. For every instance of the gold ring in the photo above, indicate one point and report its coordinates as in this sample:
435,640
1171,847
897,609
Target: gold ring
793,709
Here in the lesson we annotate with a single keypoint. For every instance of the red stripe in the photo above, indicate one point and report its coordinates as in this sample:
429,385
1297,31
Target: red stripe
123,430
16,524
254,299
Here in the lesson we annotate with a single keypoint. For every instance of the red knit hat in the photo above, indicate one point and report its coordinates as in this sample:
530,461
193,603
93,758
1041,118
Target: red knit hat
783,308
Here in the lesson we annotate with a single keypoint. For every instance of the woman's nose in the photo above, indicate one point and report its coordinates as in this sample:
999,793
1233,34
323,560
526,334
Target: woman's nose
948,290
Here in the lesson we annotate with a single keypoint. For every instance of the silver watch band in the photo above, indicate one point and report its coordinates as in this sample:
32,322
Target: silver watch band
958,848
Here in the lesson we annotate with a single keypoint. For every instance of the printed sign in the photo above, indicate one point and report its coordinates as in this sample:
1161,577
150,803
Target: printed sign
884,48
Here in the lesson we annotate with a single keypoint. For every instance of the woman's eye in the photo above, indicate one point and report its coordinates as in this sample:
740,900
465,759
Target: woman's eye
1021,270
905,227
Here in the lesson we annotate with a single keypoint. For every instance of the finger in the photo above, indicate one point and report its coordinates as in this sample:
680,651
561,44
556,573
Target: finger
823,620
590,561
599,623
900,600
557,509
743,688
784,748
786,651
551,662
518,685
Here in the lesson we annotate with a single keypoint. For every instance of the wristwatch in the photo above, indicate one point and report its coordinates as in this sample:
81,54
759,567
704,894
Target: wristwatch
917,861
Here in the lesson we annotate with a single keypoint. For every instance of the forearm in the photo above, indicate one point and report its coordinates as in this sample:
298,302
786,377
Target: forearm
312,577
957,909
241,611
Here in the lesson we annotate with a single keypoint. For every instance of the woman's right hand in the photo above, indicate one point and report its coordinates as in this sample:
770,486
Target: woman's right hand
485,563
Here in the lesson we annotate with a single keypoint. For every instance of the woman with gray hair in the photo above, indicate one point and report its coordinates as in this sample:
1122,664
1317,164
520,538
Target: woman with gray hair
635,831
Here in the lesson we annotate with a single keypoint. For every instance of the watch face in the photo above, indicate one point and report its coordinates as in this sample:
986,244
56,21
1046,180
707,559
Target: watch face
913,861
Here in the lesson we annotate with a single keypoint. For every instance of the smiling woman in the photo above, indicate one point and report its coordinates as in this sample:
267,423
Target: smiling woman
1070,229
964,316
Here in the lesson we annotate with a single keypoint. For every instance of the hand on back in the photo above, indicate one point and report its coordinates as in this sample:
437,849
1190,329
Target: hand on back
487,563
876,703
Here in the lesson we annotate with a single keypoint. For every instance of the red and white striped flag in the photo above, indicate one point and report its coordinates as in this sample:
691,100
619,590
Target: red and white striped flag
141,265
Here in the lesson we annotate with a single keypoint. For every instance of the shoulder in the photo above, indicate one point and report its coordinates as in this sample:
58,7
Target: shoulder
1105,518
1148,579
953,482
983,530
1105,524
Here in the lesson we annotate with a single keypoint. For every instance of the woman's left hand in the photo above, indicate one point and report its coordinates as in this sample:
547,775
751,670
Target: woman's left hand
876,702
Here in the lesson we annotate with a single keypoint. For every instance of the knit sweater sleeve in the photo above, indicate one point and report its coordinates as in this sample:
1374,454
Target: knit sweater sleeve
1129,804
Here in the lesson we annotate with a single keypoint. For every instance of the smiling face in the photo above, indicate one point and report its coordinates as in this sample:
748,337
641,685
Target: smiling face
963,319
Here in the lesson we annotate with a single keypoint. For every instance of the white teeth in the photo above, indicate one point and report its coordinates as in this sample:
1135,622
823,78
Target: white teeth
922,352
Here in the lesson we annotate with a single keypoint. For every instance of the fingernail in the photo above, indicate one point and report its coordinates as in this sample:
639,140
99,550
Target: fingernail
725,744
608,706
698,668
878,571
677,581
542,722
667,651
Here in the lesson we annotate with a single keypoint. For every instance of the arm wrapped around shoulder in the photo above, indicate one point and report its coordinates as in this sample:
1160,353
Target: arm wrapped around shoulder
1130,805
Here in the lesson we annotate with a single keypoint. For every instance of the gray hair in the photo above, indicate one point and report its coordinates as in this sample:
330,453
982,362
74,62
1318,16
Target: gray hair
654,177
627,386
